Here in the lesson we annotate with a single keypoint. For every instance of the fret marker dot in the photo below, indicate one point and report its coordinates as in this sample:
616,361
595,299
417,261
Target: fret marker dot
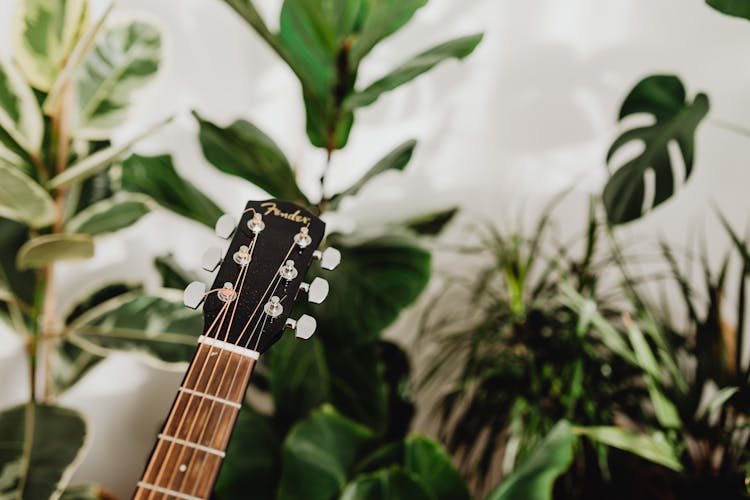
183,468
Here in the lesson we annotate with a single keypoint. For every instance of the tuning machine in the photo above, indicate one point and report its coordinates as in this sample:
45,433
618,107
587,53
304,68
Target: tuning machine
304,327
194,294
225,226
211,259
316,290
329,258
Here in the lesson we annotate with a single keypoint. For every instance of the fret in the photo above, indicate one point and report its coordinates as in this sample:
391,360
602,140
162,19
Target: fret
165,491
190,444
210,397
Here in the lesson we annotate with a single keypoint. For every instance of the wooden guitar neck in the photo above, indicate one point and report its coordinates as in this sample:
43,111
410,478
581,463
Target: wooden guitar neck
190,448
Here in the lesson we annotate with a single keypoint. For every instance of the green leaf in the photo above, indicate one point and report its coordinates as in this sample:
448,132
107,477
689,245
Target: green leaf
96,162
298,376
125,59
39,449
45,33
23,200
172,274
395,160
241,149
378,277
458,48
319,455
676,120
432,224
156,177
666,412
736,8
656,448
20,116
535,476
388,484
382,19
110,215
716,402
43,250
158,325
253,461
428,461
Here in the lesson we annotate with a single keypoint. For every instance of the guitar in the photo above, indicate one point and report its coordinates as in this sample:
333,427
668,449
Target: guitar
245,312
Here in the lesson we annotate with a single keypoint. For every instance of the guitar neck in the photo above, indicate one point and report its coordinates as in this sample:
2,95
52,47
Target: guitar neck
190,448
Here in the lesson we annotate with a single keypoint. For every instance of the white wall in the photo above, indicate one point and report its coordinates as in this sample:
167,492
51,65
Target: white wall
530,113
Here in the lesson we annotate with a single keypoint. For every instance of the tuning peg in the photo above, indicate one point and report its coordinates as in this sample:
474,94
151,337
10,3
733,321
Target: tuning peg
225,226
317,291
211,259
304,327
329,258
194,294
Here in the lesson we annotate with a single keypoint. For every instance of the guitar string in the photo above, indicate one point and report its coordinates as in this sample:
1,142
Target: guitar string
276,279
209,355
260,324
153,463
238,292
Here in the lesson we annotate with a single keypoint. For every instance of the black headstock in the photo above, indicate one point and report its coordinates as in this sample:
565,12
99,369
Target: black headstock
260,275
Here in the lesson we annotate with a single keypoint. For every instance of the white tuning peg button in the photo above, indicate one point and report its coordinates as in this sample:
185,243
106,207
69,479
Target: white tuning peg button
211,259
317,291
329,258
225,226
193,295
304,327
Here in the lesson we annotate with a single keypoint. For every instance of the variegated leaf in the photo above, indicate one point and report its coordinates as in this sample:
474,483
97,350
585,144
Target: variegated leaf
45,33
20,116
112,214
43,250
23,200
124,60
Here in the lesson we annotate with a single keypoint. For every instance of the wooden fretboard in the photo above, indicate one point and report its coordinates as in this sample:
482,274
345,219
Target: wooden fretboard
190,448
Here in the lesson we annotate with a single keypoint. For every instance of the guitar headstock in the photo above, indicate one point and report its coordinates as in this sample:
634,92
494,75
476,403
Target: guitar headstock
261,274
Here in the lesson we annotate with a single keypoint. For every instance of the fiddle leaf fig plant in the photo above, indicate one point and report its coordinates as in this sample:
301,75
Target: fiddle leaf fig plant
675,120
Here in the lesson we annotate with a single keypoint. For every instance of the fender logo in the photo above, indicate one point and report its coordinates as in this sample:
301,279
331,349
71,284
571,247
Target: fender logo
272,209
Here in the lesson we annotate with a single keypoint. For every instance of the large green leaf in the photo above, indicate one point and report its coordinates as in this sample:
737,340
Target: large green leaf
253,461
241,149
91,165
23,200
113,214
382,18
319,455
49,248
428,461
378,277
421,63
388,484
155,324
395,160
654,448
675,120
126,58
736,8
20,116
534,477
299,378
156,177
45,33
39,445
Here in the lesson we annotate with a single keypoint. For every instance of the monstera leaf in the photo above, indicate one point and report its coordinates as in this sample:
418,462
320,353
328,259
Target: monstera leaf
735,8
675,120
39,445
